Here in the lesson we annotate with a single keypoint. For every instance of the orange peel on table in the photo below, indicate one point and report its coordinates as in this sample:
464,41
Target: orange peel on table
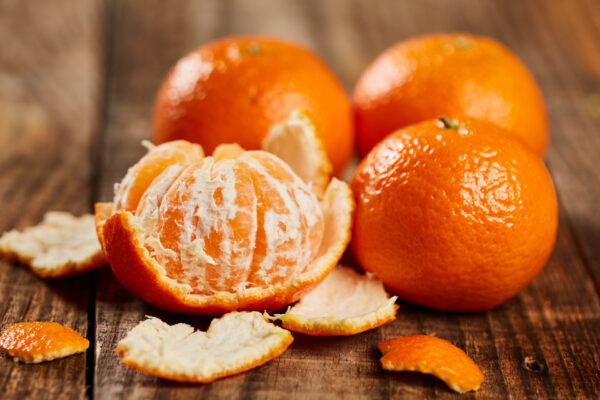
345,303
239,230
237,342
432,355
60,245
36,342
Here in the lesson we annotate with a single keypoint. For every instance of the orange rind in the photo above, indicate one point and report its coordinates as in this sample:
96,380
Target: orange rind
238,230
36,342
237,342
432,355
345,303
297,142
60,245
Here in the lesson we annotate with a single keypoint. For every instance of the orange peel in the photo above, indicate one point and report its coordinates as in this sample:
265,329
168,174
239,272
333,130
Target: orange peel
432,355
345,303
237,342
60,245
298,142
36,342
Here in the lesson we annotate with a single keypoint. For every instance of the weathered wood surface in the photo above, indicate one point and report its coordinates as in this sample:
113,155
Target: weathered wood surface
48,94
77,81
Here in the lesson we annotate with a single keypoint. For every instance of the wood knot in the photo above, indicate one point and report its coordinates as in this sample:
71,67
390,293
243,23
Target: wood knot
532,365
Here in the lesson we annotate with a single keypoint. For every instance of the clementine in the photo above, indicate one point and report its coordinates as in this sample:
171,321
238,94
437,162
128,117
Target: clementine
448,74
234,89
236,230
454,215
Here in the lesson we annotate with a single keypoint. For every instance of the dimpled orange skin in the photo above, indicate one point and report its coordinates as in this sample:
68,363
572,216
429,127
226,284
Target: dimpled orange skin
233,89
429,354
448,74
29,339
453,219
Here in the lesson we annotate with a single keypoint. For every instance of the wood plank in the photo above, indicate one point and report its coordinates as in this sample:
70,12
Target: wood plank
49,80
553,324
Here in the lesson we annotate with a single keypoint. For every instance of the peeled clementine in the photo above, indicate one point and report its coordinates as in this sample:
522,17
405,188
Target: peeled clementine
448,74
236,230
234,89
454,215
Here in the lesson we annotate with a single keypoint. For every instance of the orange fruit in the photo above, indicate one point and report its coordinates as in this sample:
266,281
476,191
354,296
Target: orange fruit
454,215
431,355
234,89
35,342
448,74
239,230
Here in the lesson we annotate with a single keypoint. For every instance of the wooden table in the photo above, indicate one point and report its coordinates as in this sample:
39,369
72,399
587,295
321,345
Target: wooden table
77,81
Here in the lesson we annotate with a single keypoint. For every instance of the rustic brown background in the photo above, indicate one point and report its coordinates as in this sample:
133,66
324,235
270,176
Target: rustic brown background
77,81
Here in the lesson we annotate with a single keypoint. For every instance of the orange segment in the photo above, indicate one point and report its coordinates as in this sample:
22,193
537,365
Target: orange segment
432,355
229,150
129,192
237,342
35,342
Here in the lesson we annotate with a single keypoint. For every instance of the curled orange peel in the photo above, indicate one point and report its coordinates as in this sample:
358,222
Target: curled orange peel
432,355
298,142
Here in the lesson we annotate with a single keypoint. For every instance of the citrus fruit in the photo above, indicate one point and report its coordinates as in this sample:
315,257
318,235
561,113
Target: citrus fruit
345,303
234,89
237,342
60,245
238,230
35,342
454,215
432,355
448,74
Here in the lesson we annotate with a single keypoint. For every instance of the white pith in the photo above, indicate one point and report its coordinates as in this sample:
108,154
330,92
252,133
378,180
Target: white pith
236,342
60,244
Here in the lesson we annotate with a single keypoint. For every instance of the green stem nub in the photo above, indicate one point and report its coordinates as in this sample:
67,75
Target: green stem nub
449,124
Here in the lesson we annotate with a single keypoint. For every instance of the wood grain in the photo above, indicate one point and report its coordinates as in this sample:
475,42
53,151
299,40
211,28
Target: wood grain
48,94
544,343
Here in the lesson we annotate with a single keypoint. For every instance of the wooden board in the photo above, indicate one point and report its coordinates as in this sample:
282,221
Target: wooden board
544,343
48,95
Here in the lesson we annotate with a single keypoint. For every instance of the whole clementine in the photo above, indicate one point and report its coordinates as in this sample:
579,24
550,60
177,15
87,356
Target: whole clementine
453,215
234,89
448,74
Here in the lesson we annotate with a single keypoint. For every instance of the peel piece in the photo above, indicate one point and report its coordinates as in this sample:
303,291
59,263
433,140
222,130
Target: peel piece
345,303
432,355
35,342
60,245
237,342
298,142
